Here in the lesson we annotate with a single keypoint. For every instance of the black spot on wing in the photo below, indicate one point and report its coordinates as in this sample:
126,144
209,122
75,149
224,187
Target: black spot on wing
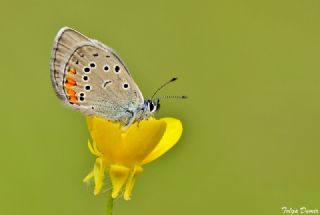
106,83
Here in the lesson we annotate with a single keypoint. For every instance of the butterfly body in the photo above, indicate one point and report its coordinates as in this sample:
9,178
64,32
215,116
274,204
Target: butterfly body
91,77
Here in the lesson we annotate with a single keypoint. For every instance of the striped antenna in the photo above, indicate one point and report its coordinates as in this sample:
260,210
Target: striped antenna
163,85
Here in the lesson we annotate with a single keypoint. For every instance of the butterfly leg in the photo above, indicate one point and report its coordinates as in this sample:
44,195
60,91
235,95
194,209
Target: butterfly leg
131,118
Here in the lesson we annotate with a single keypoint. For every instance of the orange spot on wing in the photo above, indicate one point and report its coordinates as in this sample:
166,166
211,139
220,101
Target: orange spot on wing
69,84
71,92
73,99
72,71
71,81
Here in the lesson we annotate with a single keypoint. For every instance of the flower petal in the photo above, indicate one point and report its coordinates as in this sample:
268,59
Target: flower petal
98,172
90,123
88,177
93,149
140,140
170,138
106,136
131,180
118,176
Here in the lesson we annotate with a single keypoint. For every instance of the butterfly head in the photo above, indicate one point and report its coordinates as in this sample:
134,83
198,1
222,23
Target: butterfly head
152,106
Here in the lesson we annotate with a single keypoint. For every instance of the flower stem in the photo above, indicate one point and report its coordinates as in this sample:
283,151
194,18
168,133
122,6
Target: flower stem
109,205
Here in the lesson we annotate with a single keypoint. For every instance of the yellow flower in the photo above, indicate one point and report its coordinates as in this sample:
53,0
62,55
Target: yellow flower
122,153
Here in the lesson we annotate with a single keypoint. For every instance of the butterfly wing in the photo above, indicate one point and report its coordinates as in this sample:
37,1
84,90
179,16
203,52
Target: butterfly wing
91,77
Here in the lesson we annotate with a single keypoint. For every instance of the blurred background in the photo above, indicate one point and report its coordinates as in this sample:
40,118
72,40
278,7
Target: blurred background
251,136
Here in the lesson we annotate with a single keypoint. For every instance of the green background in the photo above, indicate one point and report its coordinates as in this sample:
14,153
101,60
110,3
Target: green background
251,136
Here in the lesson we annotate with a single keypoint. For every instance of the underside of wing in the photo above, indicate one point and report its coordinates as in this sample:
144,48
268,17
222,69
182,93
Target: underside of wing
65,42
90,77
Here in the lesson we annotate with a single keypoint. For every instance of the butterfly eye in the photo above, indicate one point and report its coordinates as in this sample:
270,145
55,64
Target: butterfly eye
151,106
106,68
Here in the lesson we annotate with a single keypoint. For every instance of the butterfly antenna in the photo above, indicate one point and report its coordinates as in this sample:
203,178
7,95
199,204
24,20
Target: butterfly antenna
172,97
163,85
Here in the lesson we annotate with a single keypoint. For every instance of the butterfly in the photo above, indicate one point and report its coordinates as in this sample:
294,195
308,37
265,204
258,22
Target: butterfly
91,77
